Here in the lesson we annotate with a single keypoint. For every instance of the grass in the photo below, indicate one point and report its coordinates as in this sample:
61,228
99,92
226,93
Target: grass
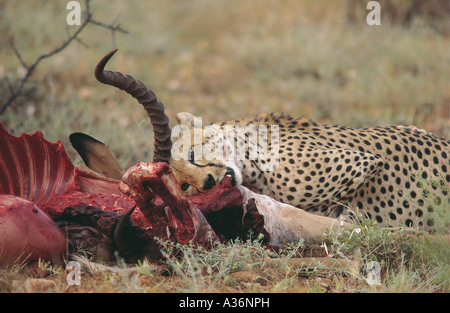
224,60
407,263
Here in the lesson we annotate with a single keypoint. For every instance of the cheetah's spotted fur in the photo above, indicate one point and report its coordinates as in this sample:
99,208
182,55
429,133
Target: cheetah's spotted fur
328,169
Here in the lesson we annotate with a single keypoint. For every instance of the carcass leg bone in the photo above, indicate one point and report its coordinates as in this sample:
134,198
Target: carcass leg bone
196,219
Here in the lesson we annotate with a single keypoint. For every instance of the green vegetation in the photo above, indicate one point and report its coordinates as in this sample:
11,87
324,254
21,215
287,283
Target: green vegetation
406,263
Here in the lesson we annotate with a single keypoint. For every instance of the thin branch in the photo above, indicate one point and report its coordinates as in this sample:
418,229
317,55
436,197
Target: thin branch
32,67
111,26
18,55
74,37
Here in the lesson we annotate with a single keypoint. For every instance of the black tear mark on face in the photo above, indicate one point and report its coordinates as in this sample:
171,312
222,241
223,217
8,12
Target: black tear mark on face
191,160
209,181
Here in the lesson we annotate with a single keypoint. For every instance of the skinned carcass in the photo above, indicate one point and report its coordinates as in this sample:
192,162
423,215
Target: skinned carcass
91,210
26,232
41,189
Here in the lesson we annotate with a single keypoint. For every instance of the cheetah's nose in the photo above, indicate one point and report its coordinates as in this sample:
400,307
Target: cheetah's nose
209,182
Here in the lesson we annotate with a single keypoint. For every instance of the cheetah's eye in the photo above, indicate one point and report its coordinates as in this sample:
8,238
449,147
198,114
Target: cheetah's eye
184,186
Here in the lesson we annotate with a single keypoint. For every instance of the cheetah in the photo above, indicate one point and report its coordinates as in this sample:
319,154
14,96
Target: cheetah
395,175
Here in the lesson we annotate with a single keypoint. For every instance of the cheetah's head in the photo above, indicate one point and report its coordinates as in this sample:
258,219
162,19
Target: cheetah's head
195,168
199,159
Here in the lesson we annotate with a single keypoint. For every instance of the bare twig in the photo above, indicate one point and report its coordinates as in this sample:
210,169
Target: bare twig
74,37
18,55
113,26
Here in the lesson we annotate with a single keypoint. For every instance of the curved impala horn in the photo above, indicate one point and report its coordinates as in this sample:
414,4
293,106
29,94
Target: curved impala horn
146,97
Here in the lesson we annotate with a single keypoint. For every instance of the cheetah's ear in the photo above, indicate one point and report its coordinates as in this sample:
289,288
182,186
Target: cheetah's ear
185,118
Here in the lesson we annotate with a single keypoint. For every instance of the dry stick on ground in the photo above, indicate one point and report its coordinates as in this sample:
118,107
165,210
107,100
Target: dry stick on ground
17,91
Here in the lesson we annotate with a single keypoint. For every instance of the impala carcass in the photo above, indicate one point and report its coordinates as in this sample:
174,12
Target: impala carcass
49,207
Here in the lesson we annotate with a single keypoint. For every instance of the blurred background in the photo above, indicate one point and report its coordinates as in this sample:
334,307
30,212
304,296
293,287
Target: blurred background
226,59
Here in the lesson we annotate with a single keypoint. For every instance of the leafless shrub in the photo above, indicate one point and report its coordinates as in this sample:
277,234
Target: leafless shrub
17,88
